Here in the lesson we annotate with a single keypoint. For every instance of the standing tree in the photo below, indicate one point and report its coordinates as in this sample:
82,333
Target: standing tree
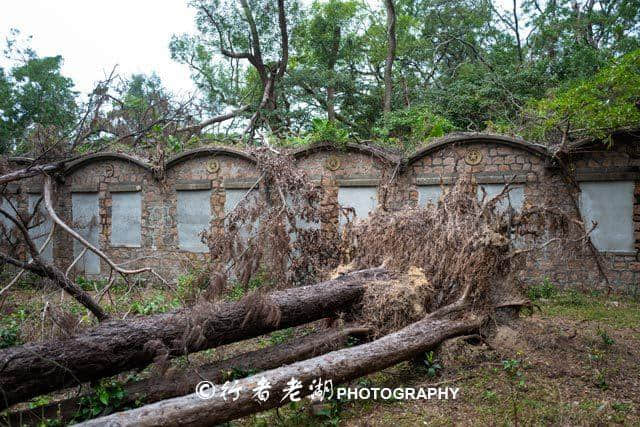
391,53
251,31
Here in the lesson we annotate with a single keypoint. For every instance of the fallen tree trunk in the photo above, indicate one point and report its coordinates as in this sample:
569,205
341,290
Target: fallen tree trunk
339,366
116,346
154,389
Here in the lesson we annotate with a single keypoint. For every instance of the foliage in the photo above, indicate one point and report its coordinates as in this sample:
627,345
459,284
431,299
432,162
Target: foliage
33,94
156,304
328,131
412,126
607,341
238,290
593,107
431,364
279,337
106,398
544,290
89,284
9,334
541,70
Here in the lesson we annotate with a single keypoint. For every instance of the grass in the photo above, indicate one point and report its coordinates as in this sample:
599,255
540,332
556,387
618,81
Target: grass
616,311
576,363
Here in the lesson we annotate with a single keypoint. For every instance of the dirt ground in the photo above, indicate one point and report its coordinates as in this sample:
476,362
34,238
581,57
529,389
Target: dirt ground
575,361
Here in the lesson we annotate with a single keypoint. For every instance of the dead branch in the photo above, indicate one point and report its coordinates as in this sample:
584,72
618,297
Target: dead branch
21,272
45,269
82,240
31,171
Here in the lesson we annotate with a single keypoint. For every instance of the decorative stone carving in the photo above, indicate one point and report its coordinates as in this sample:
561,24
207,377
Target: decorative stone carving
332,163
473,157
213,166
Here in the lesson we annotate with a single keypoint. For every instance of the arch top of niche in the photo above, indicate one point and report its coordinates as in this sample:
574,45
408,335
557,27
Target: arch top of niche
209,151
471,138
102,157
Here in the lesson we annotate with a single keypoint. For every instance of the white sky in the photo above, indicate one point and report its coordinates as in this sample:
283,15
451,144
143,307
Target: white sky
92,36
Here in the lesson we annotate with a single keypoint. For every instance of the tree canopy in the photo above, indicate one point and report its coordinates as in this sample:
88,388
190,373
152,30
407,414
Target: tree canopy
399,72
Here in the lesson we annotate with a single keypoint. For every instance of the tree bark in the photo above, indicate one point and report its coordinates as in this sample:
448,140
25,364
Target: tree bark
31,171
333,58
339,366
391,53
153,390
116,346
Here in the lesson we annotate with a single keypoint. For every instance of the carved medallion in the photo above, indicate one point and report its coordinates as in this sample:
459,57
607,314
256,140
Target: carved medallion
213,166
109,171
332,163
473,157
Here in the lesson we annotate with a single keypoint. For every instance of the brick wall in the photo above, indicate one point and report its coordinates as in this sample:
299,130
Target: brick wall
492,160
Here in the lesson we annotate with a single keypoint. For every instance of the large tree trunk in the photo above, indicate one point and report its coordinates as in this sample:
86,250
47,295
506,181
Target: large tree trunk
116,346
391,53
338,366
154,389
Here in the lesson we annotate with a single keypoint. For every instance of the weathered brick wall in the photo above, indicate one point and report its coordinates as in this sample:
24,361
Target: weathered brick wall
492,160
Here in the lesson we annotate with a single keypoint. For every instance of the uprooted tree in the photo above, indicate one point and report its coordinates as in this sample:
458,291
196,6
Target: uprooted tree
451,268
413,278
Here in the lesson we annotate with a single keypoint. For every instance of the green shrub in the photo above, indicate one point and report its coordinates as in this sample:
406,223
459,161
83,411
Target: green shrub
106,398
155,304
544,290
411,126
323,130
9,334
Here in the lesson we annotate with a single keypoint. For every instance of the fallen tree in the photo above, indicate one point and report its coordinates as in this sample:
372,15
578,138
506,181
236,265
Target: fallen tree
454,267
339,366
180,383
116,346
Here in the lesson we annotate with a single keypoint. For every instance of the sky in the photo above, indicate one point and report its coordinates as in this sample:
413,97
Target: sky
92,36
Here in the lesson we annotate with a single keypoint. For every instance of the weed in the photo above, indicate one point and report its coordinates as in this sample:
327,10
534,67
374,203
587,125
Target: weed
490,396
278,337
601,379
572,298
330,413
431,364
607,341
156,304
621,407
91,285
544,290
238,291
106,398
9,334
516,381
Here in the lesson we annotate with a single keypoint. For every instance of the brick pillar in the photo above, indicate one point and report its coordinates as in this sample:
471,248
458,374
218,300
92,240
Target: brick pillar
636,215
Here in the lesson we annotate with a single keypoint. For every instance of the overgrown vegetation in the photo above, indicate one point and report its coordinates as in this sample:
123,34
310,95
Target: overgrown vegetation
548,71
